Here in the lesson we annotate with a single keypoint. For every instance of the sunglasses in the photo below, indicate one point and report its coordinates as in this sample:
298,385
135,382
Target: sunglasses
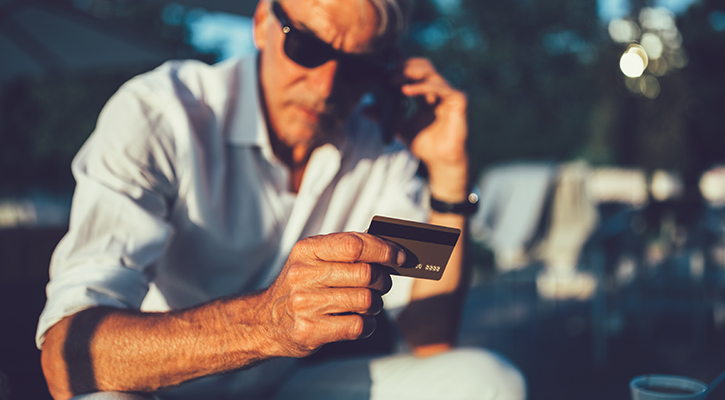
309,51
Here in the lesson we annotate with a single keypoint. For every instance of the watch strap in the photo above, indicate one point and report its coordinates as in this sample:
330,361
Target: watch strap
466,207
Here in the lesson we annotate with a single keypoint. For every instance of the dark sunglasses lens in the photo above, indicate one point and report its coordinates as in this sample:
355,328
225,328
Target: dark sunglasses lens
306,50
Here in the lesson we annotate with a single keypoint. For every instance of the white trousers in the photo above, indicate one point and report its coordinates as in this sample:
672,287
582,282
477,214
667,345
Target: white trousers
461,374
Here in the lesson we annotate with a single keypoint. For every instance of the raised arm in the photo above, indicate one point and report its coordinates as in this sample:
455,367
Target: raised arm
438,138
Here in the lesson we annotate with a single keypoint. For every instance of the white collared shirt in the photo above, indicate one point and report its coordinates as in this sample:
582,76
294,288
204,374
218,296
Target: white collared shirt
178,190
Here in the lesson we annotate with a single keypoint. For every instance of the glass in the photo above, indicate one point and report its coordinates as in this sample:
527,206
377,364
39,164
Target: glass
666,387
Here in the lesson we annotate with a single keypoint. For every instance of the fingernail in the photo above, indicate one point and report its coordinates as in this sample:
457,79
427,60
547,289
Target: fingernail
401,257
369,325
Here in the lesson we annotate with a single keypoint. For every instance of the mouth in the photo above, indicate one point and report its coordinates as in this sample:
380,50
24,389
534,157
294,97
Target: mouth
308,113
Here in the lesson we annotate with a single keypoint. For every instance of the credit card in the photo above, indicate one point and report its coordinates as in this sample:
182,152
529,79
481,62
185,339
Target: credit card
428,247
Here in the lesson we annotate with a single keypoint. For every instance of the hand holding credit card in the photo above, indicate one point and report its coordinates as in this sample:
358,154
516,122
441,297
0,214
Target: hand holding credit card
428,247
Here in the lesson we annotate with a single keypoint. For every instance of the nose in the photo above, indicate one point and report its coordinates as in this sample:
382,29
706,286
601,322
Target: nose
323,78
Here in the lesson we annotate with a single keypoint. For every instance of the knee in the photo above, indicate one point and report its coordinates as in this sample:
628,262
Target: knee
460,374
490,375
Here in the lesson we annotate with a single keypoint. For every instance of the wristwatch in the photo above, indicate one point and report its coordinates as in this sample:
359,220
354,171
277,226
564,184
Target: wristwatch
466,207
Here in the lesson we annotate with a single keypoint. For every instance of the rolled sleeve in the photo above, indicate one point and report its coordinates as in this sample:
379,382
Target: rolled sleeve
118,230
90,286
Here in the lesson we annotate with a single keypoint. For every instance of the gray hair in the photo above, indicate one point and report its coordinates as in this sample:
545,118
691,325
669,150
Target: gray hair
394,16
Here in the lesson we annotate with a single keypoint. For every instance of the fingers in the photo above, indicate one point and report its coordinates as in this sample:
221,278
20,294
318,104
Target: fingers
314,318
353,300
433,91
414,69
307,335
423,80
354,326
340,275
347,327
337,301
350,247
330,289
417,68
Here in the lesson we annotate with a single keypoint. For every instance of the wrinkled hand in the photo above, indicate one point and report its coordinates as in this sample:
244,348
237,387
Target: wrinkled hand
328,291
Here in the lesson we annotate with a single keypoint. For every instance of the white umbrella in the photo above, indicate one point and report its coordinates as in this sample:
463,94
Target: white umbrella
40,38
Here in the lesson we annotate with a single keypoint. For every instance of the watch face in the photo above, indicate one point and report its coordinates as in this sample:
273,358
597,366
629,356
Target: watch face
473,198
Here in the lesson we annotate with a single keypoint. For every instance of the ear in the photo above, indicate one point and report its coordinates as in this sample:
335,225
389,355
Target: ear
260,21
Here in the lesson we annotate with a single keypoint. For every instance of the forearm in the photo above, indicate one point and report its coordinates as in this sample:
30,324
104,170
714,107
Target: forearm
329,290
455,275
430,322
448,182
103,349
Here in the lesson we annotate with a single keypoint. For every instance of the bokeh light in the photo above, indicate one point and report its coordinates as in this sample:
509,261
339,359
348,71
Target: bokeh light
712,186
652,45
655,47
634,61
649,86
623,31
657,19
658,67
666,185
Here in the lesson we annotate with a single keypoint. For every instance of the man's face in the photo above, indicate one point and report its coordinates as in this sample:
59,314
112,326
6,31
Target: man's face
307,106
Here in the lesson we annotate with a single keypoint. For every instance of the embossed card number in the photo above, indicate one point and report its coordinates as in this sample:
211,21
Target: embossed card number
428,247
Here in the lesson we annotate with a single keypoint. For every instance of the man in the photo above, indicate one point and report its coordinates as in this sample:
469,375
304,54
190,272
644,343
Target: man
201,195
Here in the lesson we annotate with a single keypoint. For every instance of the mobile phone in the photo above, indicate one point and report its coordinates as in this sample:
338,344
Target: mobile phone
391,105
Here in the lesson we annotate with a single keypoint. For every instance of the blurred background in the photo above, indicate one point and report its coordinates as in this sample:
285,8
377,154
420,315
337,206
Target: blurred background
597,139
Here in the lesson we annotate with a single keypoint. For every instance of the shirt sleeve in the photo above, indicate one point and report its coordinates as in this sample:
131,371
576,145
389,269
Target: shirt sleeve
125,186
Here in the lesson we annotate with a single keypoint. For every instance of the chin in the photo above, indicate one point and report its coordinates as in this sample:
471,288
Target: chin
293,136
301,133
